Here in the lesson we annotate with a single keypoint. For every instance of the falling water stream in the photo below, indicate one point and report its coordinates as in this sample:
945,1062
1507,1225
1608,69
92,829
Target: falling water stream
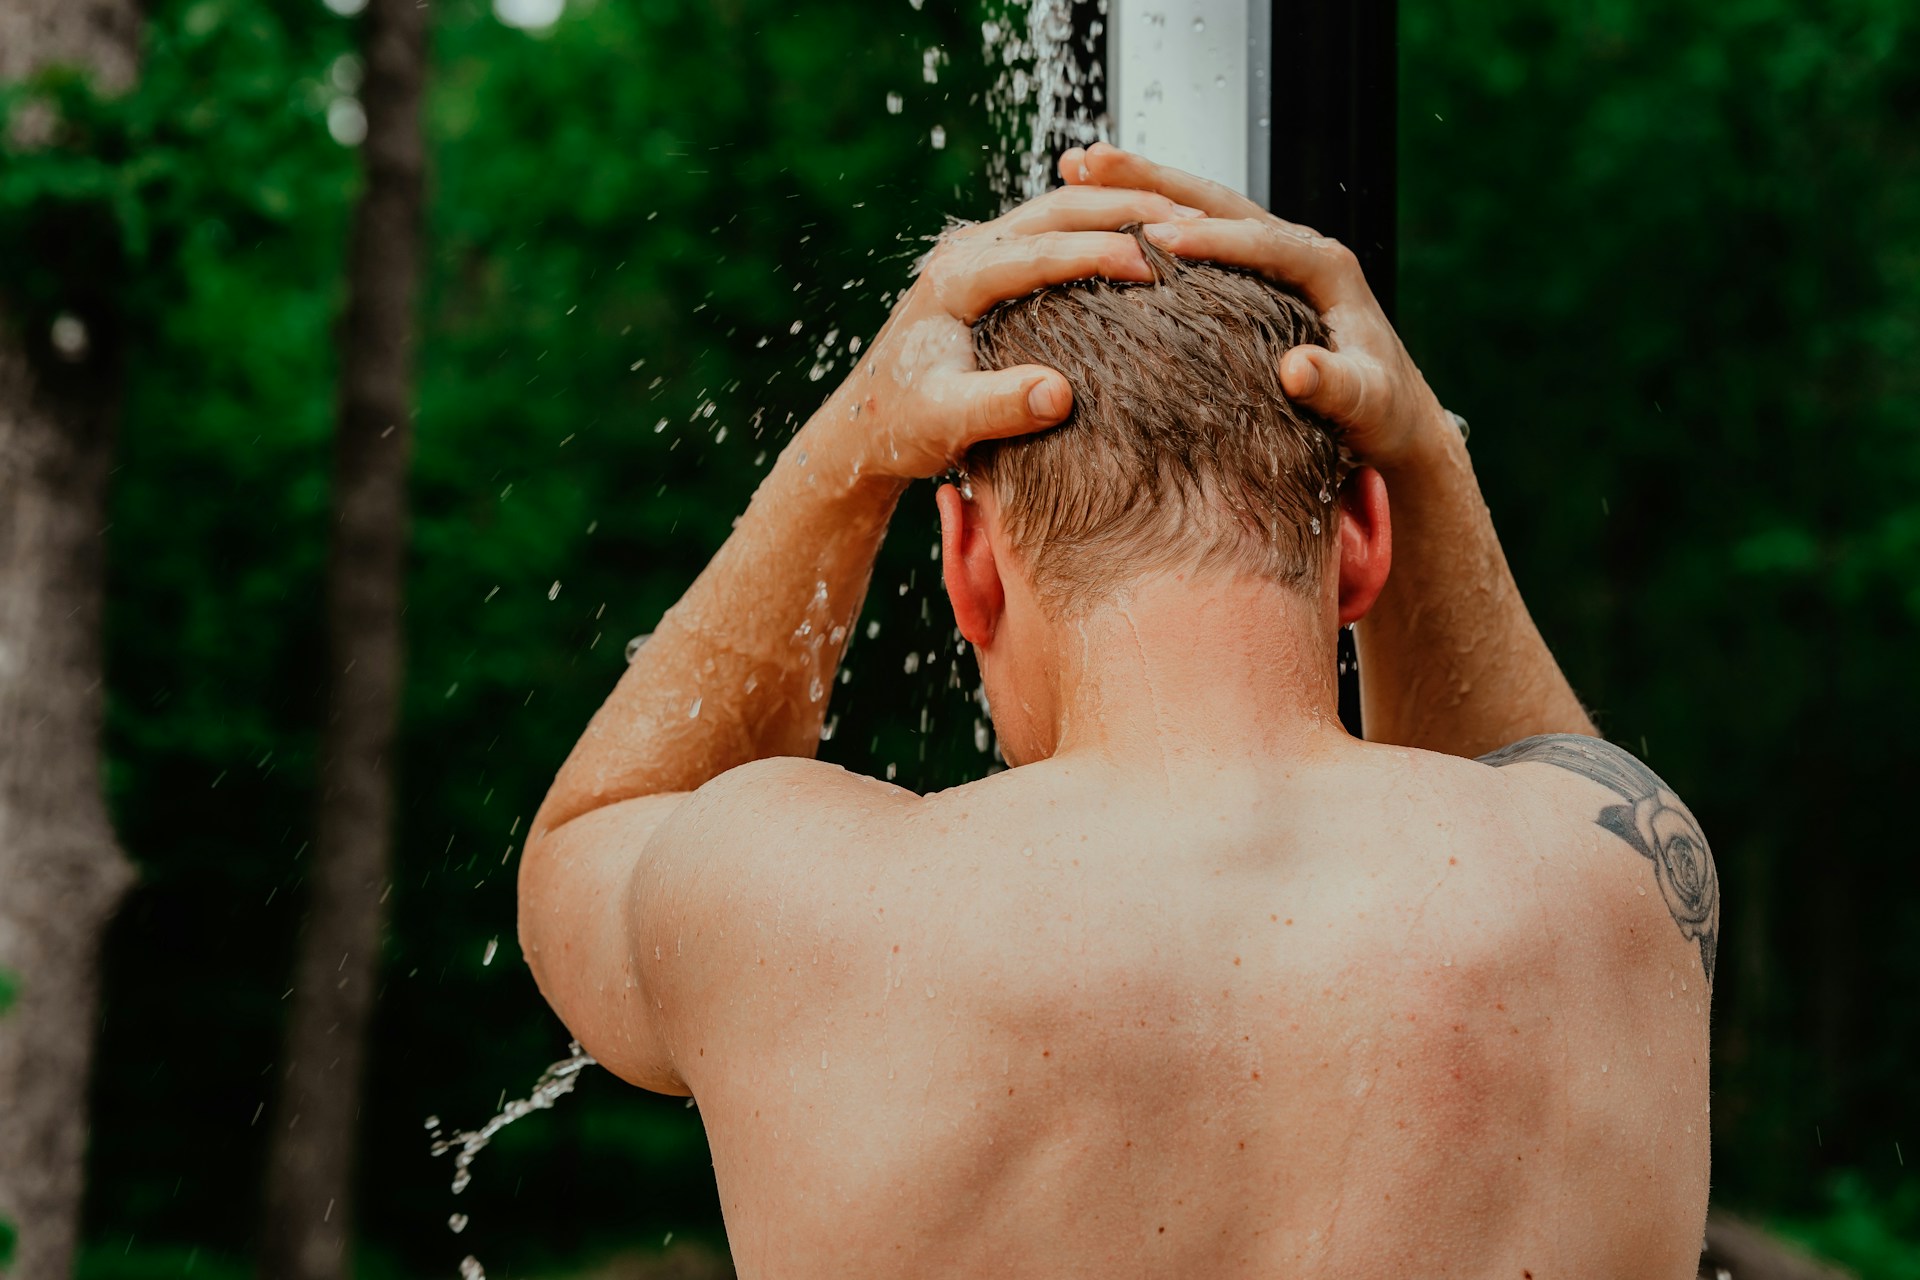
554,1083
1042,97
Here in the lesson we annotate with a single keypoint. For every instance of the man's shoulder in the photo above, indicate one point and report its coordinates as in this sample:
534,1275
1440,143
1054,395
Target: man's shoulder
788,791
777,813
1594,758
1587,783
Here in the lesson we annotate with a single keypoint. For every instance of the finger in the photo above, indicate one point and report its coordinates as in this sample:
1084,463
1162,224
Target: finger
969,283
1325,271
1109,166
1005,402
1073,166
1340,388
1086,209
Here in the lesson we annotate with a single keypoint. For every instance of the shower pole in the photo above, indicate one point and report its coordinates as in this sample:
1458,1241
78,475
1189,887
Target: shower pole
1291,102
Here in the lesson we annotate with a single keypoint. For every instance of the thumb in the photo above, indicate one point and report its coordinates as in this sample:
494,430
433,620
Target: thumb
1012,402
1334,386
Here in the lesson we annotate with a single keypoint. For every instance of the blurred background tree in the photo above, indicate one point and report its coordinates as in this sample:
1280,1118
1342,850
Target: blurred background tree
1665,257
310,1207
62,870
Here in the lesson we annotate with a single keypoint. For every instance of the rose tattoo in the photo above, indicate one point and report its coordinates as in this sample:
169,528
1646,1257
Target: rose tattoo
1652,820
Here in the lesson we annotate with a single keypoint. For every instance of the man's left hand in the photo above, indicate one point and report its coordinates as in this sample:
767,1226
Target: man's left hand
917,399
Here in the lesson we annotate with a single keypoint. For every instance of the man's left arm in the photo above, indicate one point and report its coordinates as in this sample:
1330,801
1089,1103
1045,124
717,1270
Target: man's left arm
741,668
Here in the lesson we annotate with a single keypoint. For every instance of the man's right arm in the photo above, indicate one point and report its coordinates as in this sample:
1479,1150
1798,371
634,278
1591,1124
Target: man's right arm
1450,659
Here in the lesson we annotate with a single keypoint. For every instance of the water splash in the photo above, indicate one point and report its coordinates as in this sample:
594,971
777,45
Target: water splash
554,1083
1048,93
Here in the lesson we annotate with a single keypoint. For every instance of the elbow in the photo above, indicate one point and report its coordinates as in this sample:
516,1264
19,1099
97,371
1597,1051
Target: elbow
535,904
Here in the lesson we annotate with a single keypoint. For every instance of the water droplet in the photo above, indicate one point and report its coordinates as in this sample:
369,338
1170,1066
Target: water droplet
486,958
69,337
938,138
457,1223
895,104
693,712
1314,524
553,592
1199,25
912,663
634,645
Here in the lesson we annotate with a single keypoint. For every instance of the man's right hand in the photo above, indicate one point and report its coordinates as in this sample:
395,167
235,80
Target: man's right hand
1367,384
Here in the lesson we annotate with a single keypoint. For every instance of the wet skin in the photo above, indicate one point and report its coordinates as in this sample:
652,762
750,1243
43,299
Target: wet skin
1204,986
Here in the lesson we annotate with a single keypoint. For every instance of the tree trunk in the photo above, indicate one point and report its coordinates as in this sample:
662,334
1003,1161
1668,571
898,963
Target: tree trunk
307,1229
62,873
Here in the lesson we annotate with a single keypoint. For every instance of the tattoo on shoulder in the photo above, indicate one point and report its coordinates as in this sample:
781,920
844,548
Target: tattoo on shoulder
1652,820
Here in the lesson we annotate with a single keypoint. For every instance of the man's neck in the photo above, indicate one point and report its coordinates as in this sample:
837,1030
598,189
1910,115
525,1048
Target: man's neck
1197,673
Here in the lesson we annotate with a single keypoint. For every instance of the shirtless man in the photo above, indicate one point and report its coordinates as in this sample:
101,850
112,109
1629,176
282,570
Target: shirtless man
1203,986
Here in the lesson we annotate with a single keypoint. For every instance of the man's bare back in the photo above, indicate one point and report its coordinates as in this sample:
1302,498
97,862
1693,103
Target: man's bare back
1204,986
1257,1021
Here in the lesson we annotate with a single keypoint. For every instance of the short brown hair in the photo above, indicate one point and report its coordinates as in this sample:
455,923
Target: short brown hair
1181,448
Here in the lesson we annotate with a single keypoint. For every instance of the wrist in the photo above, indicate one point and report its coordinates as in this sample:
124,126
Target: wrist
831,457
1437,442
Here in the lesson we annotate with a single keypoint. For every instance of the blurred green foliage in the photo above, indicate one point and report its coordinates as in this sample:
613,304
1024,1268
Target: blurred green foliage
1871,1230
1666,258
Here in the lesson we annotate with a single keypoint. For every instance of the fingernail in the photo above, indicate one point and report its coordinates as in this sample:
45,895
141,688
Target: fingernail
1163,233
1045,400
1187,211
1309,381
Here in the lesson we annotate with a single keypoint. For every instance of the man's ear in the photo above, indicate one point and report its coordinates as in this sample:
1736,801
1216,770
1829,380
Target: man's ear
1366,543
967,565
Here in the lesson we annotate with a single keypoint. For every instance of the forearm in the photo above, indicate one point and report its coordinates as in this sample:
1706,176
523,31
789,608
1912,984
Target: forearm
742,667
1450,659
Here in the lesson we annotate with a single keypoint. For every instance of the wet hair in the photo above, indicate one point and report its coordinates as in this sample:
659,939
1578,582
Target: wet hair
1181,449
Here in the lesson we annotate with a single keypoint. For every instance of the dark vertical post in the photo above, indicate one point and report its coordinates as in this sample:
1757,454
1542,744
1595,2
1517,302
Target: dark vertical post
1332,157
